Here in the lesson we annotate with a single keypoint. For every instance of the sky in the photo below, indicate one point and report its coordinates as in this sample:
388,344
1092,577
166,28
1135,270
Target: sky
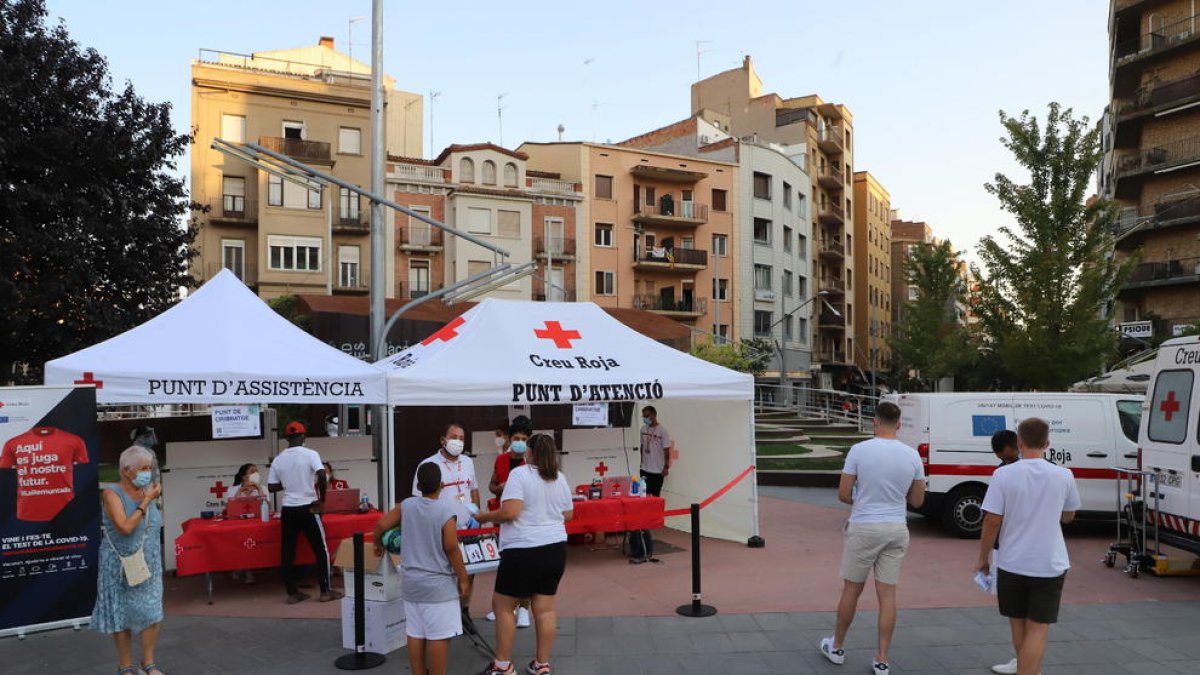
924,79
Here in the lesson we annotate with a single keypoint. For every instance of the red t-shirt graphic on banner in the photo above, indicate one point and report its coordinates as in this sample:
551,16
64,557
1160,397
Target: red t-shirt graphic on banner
45,460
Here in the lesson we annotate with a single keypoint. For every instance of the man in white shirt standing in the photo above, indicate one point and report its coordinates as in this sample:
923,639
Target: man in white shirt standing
656,451
1026,504
880,479
460,490
297,472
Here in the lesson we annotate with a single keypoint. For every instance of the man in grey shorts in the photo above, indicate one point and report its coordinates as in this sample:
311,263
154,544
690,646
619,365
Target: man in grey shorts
881,477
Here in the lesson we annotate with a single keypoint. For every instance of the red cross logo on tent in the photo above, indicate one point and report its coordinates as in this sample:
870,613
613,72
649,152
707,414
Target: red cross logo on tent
218,490
554,331
1169,406
89,378
601,468
445,333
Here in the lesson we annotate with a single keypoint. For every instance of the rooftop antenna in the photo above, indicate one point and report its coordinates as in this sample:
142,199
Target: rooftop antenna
500,116
433,97
699,50
350,40
561,129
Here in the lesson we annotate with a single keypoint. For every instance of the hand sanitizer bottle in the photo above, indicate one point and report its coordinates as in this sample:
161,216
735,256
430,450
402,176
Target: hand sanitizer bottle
264,511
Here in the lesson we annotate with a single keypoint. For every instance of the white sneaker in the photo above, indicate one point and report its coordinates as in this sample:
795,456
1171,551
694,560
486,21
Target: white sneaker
835,656
491,616
1009,668
522,617
880,668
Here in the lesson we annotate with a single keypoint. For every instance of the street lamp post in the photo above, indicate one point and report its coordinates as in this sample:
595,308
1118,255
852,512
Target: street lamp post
820,295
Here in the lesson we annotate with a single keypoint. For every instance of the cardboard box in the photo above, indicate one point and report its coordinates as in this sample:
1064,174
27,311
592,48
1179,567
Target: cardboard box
383,621
381,579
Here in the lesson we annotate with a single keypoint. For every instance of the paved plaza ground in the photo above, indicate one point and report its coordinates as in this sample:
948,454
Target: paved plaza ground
775,604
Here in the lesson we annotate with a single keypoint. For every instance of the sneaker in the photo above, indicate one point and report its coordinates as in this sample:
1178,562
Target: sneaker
494,669
329,596
835,656
1009,668
534,668
522,617
297,597
880,668
491,616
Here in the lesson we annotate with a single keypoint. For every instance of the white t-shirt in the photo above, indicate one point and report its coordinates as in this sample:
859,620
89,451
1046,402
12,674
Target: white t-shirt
296,470
1031,495
885,469
233,492
458,480
656,443
541,521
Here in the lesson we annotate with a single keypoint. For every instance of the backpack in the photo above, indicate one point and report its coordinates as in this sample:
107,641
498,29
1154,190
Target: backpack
641,546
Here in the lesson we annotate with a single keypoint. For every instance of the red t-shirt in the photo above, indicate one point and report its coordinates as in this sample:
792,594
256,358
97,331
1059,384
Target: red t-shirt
44,458
505,462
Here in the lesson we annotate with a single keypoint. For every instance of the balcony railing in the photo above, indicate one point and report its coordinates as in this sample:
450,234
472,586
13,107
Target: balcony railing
831,212
831,139
655,303
350,286
555,295
1179,270
420,236
404,291
832,178
1162,214
1159,157
247,272
1162,93
1160,40
551,185
829,247
674,256
296,148
831,320
352,222
832,285
558,247
234,207
672,208
826,356
420,173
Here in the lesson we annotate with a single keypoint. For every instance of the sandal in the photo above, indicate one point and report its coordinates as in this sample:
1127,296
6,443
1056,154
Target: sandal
129,670
152,669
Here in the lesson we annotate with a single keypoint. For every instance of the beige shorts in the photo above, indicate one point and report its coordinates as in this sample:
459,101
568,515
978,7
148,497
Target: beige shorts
878,547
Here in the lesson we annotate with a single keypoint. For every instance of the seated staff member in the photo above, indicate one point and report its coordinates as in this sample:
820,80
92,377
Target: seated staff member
460,489
247,482
512,456
335,483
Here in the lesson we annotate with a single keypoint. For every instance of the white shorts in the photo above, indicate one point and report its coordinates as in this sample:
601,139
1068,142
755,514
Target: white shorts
874,547
433,620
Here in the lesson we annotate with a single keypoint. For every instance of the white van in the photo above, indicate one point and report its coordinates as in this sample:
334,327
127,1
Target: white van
1089,434
1169,442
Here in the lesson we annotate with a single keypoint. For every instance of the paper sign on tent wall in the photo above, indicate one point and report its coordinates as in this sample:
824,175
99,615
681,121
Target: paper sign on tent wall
236,421
590,415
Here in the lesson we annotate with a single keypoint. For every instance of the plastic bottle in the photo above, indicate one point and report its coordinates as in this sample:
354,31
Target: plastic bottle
635,488
641,481
364,504
264,511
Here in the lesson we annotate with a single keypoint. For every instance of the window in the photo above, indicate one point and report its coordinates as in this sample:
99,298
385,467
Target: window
1130,415
274,190
233,256
802,326
721,289
718,200
721,331
801,287
787,239
762,186
787,283
348,266
787,196
649,196
603,187
849,244
787,328
606,283
508,223
233,195
510,175
913,294
1170,406
720,245
349,141
420,233
762,323
479,221
762,277
314,198
466,170
801,205
476,267
801,244
290,195
293,129
294,254
555,232
348,205
762,231
489,172
233,128
604,234
418,278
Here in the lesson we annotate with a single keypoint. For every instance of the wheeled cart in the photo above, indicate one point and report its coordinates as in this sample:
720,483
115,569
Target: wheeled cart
1134,525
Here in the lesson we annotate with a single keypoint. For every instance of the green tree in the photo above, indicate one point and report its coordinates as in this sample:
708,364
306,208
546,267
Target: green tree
1047,283
92,233
747,356
929,343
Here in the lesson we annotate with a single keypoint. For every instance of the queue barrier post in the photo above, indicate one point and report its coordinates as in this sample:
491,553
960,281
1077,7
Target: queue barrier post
361,659
696,609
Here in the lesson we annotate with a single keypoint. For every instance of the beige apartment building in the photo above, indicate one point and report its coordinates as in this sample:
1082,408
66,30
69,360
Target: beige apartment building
734,101
653,229
310,103
905,234
1151,139
873,274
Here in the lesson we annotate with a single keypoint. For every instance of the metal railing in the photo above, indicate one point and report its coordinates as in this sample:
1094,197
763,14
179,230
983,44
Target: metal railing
558,246
674,209
826,356
831,284
353,221
1164,38
818,404
1163,212
555,296
1158,157
831,246
1160,93
404,291
234,206
247,272
1180,268
420,172
420,235
551,185
297,148
831,320
831,135
834,173
831,210
675,256
655,303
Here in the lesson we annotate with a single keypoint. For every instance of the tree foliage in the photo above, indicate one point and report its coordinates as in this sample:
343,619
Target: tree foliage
929,343
747,356
91,235
1047,283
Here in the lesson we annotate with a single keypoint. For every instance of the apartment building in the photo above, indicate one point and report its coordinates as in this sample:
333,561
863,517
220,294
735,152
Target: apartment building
1151,137
873,275
310,103
487,191
771,272
734,101
655,228
905,234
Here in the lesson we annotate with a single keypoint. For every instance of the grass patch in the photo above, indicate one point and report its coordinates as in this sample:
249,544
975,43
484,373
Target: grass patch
804,464
110,473
768,449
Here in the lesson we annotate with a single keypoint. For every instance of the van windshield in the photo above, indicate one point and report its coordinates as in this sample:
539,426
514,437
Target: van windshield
1130,414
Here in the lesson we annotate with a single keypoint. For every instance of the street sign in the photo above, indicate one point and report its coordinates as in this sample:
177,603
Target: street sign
1142,330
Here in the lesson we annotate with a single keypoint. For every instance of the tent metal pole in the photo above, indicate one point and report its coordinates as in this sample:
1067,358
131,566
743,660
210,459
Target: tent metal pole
380,434
754,458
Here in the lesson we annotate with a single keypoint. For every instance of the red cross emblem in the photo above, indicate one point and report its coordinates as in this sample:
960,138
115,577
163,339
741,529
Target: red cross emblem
601,468
178,550
250,544
554,331
1169,406
445,333
88,378
218,490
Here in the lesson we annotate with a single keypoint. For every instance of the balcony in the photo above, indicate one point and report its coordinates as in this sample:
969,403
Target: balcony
419,173
247,273
832,178
831,140
831,214
678,260
420,238
833,250
1133,223
310,152
552,185
829,320
1164,273
352,286
233,210
832,285
558,248
1149,48
404,291
670,213
830,356
353,223
680,309
555,295
667,174
1159,158
1147,101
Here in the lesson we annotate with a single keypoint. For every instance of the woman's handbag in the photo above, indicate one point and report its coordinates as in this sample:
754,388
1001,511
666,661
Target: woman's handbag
134,565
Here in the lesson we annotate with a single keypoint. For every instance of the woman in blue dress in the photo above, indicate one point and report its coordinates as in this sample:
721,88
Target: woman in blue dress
131,520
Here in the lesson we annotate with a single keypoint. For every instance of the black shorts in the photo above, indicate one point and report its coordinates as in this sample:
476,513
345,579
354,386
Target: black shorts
526,572
1033,598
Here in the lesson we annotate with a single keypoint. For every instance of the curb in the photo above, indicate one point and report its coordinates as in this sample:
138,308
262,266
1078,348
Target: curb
799,478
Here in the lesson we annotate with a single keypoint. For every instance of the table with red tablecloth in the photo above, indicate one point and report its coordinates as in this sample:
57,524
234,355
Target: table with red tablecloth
617,514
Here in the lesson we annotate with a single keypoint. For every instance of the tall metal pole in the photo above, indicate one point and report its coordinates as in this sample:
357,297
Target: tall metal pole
378,260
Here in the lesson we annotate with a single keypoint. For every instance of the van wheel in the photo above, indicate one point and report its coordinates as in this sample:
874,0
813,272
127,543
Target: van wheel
962,512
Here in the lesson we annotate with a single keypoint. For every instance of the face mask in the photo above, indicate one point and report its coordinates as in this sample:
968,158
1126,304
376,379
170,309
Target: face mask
645,420
253,478
500,442
454,446
142,479
517,447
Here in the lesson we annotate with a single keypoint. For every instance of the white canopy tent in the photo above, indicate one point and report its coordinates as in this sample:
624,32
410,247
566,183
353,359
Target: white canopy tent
529,353
222,344
1132,379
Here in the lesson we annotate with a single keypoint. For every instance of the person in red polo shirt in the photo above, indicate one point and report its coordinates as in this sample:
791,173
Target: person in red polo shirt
44,459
